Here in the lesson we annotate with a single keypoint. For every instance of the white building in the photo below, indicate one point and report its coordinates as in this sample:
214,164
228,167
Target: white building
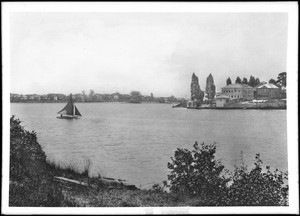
221,100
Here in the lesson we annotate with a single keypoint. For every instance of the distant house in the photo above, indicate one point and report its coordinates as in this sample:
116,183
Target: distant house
239,91
267,91
107,97
33,97
30,96
37,97
97,97
283,92
61,97
79,97
190,104
15,98
56,97
116,96
24,97
221,100
52,97
45,98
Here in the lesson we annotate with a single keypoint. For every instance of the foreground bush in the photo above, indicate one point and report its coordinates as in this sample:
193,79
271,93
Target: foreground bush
30,183
197,175
258,188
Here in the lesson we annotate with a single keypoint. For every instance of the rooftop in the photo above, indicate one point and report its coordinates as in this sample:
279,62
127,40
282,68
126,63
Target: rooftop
237,85
268,85
222,97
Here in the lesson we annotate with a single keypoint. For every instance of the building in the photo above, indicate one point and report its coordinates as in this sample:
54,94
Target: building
44,98
116,96
239,91
283,92
97,97
190,104
221,100
61,97
79,97
52,97
267,91
15,97
56,97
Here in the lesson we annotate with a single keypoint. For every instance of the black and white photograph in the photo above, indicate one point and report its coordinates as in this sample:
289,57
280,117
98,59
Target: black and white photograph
150,107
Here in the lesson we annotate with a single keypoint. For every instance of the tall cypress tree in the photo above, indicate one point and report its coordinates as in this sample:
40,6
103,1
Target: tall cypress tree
196,93
252,81
238,80
245,81
228,81
210,87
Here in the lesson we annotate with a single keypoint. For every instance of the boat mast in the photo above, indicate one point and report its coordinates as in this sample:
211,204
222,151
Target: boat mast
73,107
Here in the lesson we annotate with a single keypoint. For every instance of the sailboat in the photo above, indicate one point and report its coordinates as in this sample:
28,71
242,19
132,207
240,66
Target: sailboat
70,111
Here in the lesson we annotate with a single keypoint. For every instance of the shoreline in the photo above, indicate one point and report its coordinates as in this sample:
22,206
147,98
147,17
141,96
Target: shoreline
243,108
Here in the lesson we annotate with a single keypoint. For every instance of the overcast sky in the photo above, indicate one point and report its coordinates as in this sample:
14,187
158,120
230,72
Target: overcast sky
149,52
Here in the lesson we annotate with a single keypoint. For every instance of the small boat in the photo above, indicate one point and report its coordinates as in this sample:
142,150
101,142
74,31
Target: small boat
70,111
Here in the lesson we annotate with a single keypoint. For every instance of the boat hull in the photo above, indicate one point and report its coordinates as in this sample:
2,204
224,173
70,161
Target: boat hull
67,117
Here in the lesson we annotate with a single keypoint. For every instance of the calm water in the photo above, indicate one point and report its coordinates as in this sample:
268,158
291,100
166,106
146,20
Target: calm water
135,141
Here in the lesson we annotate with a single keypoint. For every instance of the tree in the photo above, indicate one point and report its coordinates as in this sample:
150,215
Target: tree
252,81
272,81
281,79
245,81
257,188
136,95
198,173
228,81
257,81
238,80
91,93
83,93
196,93
210,87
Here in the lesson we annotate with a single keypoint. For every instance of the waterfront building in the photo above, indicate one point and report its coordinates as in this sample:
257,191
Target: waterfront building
267,91
15,97
79,97
52,97
116,96
24,97
238,91
97,97
283,92
44,98
189,104
221,100
61,97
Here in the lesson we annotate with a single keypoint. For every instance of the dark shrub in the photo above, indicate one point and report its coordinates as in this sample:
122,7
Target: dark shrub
199,176
258,188
197,173
30,182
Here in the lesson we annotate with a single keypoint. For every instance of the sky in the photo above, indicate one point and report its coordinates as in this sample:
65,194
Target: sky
157,53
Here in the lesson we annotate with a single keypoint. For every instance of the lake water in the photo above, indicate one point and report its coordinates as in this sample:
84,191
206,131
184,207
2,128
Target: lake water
135,141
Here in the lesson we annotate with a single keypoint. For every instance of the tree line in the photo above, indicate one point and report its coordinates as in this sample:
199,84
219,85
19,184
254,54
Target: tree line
251,82
254,81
